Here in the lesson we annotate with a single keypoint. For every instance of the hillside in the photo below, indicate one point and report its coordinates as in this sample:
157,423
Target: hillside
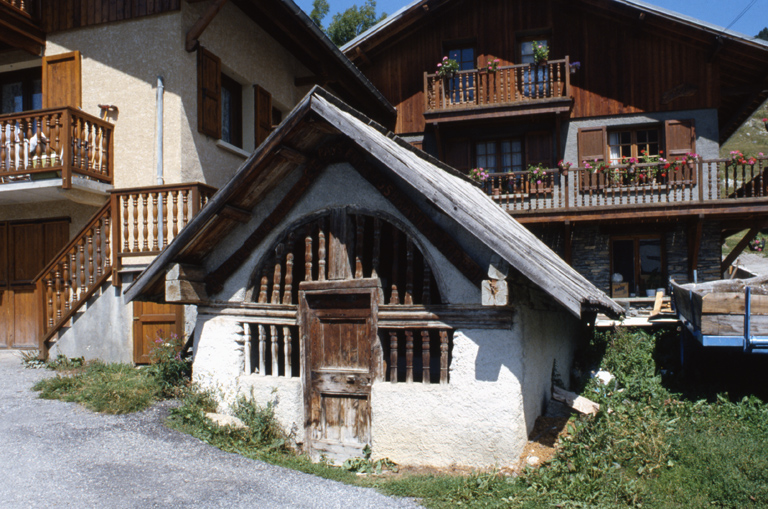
752,137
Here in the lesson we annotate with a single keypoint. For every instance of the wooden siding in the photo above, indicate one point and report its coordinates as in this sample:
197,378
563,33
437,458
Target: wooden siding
66,14
651,64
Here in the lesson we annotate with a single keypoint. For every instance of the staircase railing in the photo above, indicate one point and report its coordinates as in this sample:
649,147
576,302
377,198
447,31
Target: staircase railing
119,229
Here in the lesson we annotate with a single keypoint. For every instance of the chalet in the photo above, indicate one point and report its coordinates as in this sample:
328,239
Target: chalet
378,295
633,99
118,120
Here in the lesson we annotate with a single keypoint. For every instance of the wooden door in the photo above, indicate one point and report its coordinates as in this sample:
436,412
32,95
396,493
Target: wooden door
338,330
151,321
61,80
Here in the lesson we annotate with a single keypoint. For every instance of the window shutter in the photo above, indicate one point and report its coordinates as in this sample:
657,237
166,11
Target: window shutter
457,154
263,114
62,81
680,138
3,255
592,144
538,148
208,93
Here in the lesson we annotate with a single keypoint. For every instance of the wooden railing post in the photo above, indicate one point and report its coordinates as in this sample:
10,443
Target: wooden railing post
426,92
68,150
700,170
567,76
117,224
566,185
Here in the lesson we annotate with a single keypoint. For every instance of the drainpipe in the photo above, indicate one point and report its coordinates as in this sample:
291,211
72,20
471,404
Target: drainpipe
159,130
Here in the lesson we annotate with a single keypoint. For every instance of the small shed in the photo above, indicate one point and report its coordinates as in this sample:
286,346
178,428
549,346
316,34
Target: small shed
378,296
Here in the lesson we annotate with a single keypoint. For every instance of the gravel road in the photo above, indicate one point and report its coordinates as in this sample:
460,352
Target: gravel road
55,454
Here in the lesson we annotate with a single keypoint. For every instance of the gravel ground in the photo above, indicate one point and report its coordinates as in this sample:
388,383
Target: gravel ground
755,263
55,454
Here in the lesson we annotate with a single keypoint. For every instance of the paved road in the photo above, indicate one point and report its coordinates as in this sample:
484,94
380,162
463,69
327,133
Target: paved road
55,454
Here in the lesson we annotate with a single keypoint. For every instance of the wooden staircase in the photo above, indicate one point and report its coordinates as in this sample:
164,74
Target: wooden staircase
135,223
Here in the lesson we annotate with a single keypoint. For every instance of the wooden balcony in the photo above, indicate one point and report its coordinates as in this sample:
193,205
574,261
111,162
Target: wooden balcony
138,222
710,186
55,144
20,27
523,89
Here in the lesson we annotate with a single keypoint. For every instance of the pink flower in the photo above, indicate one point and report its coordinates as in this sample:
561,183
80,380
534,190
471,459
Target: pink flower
439,65
445,58
765,119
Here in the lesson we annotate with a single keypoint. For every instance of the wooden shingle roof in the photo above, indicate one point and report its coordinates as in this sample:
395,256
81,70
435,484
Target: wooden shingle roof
320,117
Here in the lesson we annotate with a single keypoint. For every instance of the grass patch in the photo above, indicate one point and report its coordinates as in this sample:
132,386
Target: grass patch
649,445
730,243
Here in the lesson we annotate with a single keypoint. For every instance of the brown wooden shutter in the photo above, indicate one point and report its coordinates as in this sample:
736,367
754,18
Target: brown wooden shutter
208,93
263,114
62,84
538,148
3,256
457,154
592,144
680,139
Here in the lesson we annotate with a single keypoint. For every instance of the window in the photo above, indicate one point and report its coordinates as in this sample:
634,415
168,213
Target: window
633,143
536,80
512,154
462,86
21,91
526,48
640,261
231,111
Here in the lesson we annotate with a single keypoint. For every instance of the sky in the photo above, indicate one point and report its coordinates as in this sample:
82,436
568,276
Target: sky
719,12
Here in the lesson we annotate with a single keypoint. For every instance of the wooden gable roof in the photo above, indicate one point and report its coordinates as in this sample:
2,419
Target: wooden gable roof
705,66
306,140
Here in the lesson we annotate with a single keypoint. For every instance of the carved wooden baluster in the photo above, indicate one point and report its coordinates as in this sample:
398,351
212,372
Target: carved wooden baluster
57,286
443,357
135,223
81,246
2,146
47,134
39,145
264,286
184,207
288,288
426,296
425,377
145,221
155,245
57,152
49,294
90,257
288,350
360,219
394,297
105,155
65,275
247,348
409,356
29,122
393,356
308,256
83,144
107,243
73,133
126,234
273,338
262,350
277,276
98,249
321,250
408,300
165,220
73,271
175,213
92,137
376,247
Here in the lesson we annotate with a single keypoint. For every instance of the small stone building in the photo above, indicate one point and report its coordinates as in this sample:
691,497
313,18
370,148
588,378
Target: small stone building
376,295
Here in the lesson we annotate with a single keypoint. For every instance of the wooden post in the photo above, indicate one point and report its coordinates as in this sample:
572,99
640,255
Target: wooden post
393,356
425,371
273,339
443,357
288,351
409,356
567,76
66,169
262,350
247,348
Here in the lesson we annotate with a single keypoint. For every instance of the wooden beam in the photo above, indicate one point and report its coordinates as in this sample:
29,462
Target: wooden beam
201,24
739,248
694,245
235,214
291,155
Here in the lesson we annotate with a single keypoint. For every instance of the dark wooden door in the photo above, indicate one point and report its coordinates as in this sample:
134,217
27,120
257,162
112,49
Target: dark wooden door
340,364
152,321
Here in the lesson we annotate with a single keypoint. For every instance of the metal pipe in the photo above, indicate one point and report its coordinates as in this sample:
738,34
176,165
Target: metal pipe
159,130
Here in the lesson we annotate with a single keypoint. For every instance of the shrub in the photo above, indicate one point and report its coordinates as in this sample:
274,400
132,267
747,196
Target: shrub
168,366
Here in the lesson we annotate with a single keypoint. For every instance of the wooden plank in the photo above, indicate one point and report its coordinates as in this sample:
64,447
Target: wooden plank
62,80
731,303
733,325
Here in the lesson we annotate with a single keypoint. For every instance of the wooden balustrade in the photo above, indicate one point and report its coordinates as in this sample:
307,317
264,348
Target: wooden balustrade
416,355
507,85
627,185
97,252
269,349
29,8
55,143
149,218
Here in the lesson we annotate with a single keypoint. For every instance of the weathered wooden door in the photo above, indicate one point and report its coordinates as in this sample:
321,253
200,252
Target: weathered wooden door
151,321
340,362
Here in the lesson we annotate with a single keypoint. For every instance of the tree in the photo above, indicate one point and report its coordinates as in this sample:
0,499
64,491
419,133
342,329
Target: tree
319,11
352,22
763,34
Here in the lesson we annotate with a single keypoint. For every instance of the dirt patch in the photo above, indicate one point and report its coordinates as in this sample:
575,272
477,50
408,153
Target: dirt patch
542,442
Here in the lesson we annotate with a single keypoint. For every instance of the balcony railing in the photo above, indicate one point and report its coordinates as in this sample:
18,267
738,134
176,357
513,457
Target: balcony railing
508,85
135,222
28,8
621,185
55,143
